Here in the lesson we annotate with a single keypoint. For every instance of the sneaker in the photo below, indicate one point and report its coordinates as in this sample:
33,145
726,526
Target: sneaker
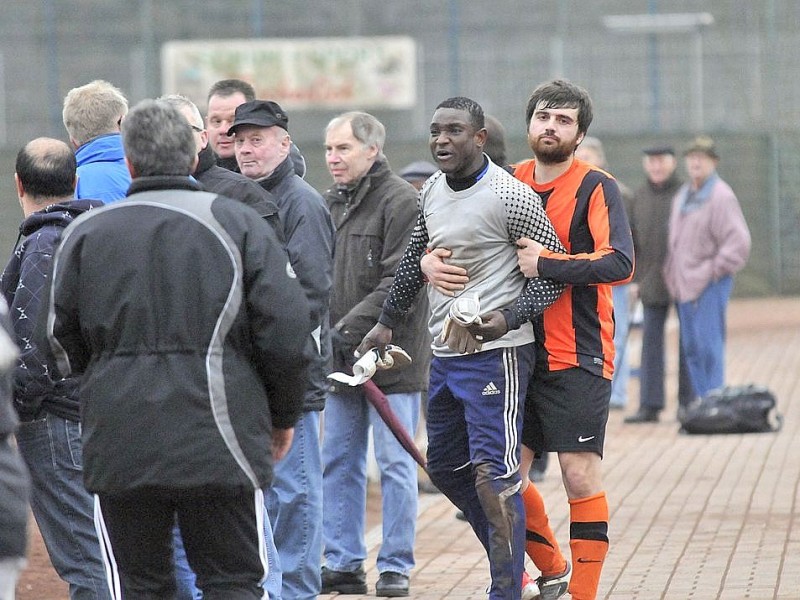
554,586
530,591
344,582
392,585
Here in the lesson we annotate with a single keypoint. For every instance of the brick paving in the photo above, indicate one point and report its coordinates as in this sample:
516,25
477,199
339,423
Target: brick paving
692,517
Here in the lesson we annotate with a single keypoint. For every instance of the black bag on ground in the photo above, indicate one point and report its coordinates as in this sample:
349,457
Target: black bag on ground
733,409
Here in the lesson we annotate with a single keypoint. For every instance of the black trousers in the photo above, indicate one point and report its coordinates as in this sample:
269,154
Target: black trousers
651,371
222,531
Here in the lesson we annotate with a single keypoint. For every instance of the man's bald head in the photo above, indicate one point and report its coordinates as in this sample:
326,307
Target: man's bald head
45,171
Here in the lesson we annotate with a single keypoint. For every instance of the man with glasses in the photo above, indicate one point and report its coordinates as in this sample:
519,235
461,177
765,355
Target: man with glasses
220,180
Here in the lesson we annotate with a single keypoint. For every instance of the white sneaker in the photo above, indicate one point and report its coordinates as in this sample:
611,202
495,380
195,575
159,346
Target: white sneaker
555,586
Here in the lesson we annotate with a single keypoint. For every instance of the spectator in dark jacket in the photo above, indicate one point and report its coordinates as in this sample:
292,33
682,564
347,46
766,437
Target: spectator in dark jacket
182,313
374,211
220,180
13,476
649,214
417,172
49,436
294,502
223,99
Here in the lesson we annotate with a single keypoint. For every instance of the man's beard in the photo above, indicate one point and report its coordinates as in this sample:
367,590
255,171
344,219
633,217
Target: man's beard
553,155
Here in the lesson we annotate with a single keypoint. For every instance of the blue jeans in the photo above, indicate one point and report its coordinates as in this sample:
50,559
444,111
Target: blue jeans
294,505
703,325
348,417
622,368
64,510
185,578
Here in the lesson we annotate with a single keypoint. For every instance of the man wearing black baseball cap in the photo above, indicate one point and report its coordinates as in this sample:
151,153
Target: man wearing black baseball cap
262,147
263,113
649,214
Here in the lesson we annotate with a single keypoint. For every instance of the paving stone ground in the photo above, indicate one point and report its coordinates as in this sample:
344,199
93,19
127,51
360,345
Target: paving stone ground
692,517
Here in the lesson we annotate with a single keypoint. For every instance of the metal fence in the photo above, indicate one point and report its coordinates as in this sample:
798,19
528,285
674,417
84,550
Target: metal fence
735,78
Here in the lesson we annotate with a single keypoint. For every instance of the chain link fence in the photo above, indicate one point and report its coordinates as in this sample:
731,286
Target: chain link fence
735,79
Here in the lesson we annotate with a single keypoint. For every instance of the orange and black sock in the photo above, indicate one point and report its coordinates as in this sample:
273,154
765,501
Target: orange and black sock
540,542
588,540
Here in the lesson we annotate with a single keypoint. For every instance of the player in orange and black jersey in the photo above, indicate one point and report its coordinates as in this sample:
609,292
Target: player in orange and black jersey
566,408
583,206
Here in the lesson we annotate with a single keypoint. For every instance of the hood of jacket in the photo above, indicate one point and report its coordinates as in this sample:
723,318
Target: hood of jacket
105,148
60,214
205,160
282,171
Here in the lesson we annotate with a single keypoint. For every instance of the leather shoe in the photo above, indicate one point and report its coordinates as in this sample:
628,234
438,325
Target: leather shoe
643,415
392,585
344,582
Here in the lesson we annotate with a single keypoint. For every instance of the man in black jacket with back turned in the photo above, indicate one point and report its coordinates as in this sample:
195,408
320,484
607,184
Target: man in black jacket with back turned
182,313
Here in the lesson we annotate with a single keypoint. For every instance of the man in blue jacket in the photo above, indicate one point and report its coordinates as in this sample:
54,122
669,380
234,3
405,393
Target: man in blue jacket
92,115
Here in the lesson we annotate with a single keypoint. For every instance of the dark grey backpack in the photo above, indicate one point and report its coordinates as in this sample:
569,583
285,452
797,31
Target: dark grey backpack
733,409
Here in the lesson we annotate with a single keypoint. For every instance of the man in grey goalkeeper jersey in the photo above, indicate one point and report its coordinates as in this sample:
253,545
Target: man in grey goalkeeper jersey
481,367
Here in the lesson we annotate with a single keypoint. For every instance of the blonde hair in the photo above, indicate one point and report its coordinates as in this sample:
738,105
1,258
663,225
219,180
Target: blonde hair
93,110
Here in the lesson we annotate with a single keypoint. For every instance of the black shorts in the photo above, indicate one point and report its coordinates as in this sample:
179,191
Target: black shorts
566,411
